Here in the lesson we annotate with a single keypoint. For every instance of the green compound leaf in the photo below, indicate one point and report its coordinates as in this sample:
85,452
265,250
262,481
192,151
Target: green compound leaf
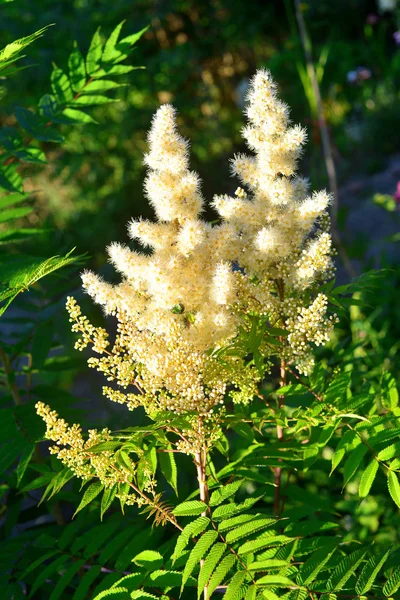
90,494
370,572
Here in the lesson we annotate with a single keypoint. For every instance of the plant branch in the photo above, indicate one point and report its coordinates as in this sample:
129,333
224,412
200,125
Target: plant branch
282,382
200,460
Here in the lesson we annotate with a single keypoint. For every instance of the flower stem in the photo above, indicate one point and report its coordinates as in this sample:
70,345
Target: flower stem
200,462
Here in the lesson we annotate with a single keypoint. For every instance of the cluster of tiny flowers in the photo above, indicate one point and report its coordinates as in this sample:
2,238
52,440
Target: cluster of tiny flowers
74,451
188,296
282,245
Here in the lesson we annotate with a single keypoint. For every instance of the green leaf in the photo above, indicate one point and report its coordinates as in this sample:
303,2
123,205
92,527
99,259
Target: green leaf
110,52
390,452
78,116
77,70
149,559
394,487
276,581
345,570
228,510
213,557
119,69
164,579
189,508
86,583
370,572
48,571
93,58
90,494
92,100
336,393
102,85
225,492
14,213
315,563
168,468
353,461
107,499
389,393
118,593
346,442
251,593
191,530
61,86
367,478
393,583
248,528
269,563
204,543
11,199
265,540
234,589
24,462
220,573
36,126
134,37
66,579
239,520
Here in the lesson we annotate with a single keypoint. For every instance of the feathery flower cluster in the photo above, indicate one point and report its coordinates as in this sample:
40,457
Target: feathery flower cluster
283,245
200,285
